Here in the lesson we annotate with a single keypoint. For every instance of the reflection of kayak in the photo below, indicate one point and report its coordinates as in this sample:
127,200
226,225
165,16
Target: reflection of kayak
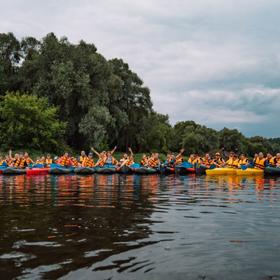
37,171
124,169
13,171
221,171
145,170
106,169
84,170
249,171
272,170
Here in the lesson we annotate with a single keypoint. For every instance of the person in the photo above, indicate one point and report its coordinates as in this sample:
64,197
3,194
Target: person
110,160
191,159
73,162
127,160
232,161
170,160
260,162
243,161
270,160
88,161
49,160
277,160
206,161
27,159
2,161
82,157
145,160
64,160
179,158
218,161
154,161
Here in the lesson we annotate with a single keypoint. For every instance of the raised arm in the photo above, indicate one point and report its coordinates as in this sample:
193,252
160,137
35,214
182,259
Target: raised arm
114,150
181,153
130,150
95,151
10,153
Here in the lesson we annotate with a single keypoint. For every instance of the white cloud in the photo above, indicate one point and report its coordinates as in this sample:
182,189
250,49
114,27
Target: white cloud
213,61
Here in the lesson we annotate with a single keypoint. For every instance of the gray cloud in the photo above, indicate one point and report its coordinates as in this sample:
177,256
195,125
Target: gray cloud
213,61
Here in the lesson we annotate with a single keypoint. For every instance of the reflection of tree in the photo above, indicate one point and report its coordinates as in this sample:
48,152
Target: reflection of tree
79,215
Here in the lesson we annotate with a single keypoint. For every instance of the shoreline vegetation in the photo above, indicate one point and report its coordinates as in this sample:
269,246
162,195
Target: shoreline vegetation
56,96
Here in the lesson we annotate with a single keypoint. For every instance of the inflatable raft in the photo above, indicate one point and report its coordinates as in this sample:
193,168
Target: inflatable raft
145,170
275,171
84,170
124,169
13,171
59,169
106,169
37,171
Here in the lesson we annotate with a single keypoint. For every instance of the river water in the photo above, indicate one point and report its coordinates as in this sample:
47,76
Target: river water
139,227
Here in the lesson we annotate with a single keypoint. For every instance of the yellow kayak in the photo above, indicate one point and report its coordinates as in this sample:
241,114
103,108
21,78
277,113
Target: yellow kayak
249,171
221,171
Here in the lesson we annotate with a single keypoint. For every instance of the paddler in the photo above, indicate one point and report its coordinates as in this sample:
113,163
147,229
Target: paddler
260,162
82,157
64,160
271,160
145,160
49,160
88,161
127,160
207,161
232,161
243,161
218,161
154,161
277,160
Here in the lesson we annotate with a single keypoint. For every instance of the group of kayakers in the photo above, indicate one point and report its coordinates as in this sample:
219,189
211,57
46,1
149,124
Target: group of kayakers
260,161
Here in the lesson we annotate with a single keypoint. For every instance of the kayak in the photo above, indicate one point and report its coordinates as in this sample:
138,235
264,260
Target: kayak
61,170
124,169
272,170
106,169
184,168
13,171
84,170
221,171
37,171
166,170
145,170
201,170
2,167
249,171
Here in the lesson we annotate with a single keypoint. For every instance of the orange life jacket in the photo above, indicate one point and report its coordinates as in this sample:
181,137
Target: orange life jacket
87,162
153,162
49,161
63,161
73,162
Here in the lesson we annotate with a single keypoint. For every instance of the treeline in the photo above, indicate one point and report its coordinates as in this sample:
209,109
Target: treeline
56,95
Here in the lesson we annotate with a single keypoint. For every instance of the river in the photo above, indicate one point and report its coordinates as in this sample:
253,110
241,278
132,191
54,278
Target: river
139,227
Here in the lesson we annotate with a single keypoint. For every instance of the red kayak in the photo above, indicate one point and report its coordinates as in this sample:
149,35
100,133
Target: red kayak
37,171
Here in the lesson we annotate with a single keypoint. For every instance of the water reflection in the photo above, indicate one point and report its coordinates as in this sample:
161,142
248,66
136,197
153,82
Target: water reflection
106,226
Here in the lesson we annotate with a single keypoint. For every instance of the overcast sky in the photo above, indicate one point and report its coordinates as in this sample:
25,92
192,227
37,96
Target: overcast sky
213,61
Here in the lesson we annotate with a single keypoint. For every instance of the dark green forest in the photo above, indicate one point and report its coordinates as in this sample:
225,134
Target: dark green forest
55,95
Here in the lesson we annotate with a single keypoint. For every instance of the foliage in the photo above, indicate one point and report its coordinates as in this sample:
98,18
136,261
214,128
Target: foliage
97,102
29,122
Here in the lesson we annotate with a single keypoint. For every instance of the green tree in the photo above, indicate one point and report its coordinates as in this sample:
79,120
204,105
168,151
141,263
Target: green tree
28,121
